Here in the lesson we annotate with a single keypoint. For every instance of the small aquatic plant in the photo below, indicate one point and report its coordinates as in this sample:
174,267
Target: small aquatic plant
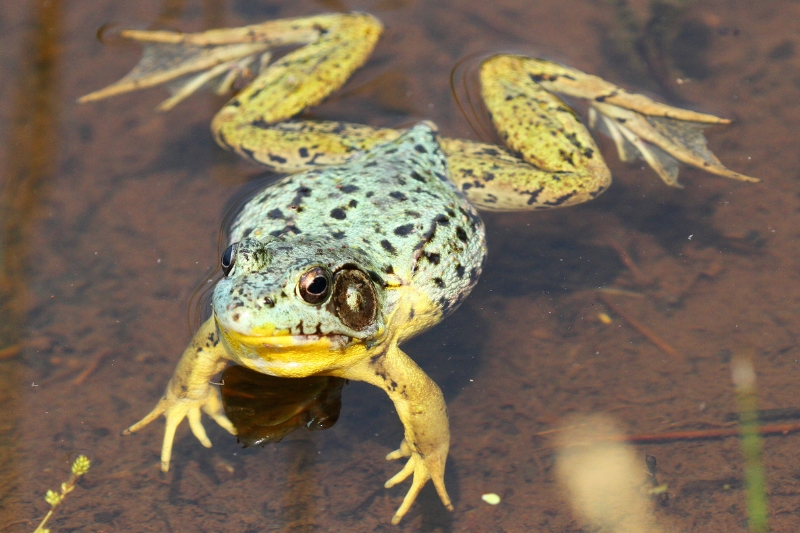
744,378
79,468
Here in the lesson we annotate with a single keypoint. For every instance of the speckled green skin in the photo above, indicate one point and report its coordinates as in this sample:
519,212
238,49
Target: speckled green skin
393,212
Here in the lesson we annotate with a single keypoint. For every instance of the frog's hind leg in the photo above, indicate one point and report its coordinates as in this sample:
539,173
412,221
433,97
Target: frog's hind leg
192,60
254,123
495,180
185,67
660,134
188,61
553,160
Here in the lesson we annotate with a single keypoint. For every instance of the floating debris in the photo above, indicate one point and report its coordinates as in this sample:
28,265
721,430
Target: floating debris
491,498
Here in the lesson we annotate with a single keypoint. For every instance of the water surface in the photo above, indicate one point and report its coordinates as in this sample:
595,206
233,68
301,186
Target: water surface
111,219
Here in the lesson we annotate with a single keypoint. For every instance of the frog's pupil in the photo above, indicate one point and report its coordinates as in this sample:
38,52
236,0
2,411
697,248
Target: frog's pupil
318,286
313,286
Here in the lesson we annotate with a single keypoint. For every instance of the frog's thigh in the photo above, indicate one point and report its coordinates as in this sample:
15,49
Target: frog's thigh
495,180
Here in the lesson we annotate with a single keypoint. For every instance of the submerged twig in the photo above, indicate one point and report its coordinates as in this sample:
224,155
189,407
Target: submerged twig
641,328
769,415
640,277
91,368
619,292
10,352
693,434
17,522
716,433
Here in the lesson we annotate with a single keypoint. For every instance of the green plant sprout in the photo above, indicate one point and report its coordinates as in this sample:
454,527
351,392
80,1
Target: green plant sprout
79,468
744,379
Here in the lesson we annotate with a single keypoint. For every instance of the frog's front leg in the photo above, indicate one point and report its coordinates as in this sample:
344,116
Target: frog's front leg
189,391
421,408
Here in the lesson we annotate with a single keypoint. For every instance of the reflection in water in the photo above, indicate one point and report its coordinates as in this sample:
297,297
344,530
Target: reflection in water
654,49
466,91
265,408
173,11
30,158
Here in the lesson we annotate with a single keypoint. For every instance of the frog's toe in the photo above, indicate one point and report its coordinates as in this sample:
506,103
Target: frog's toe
173,58
223,421
175,410
417,465
401,476
661,140
420,478
213,408
423,469
159,409
174,415
403,451
197,427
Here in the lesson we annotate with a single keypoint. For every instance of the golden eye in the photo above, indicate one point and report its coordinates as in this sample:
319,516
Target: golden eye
314,285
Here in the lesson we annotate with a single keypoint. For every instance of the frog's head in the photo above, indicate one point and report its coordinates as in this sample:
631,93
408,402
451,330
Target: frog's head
295,307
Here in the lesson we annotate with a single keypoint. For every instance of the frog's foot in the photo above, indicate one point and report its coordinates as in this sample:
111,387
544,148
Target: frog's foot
641,128
332,46
660,140
430,467
186,64
175,409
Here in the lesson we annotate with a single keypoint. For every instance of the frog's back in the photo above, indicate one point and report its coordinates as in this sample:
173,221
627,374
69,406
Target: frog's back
396,203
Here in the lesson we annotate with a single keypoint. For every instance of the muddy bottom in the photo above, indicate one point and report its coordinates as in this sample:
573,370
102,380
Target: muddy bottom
111,227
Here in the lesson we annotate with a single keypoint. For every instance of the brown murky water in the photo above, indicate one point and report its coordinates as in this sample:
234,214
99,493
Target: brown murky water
111,216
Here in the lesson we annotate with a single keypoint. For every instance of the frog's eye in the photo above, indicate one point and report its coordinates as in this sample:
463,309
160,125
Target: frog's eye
314,285
228,258
354,299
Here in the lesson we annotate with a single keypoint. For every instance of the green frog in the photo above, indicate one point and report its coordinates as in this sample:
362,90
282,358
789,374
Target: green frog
374,236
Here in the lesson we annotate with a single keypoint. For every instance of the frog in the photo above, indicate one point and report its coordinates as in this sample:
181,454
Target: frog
374,236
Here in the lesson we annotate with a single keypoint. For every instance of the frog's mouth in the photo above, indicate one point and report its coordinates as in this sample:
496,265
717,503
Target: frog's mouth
267,339
284,341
